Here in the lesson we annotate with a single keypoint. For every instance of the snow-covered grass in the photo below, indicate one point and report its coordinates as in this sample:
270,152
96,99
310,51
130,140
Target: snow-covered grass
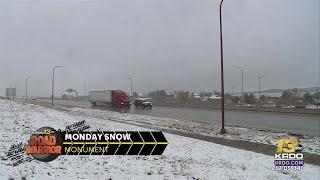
184,158
310,144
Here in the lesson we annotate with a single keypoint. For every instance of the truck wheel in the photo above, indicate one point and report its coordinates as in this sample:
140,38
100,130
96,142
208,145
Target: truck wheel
94,104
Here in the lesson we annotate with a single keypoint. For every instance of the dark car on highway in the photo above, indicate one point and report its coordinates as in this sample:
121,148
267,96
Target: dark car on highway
143,103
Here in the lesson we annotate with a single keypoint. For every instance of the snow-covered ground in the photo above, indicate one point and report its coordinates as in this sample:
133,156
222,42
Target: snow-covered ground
311,144
184,158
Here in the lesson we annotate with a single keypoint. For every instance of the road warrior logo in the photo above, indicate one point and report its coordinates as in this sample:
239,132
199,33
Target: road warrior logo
45,144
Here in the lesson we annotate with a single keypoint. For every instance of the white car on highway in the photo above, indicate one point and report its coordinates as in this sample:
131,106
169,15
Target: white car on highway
288,107
243,105
269,106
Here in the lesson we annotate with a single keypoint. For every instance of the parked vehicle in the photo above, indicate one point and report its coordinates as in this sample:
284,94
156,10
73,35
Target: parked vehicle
143,102
115,98
243,105
288,107
269,105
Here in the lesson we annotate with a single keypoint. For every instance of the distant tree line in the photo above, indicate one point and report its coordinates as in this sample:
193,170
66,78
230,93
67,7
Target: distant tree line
158,95
185,97
290,97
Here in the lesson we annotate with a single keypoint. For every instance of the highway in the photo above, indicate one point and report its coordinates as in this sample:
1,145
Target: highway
291,123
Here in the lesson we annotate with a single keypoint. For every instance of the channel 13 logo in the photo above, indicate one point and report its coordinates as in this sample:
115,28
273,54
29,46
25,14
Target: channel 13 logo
288,145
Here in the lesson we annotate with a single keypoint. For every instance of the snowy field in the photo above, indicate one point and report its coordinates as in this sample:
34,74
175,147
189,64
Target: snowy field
184,158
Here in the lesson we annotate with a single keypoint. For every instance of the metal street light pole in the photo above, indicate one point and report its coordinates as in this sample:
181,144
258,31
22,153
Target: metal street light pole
27,88
53,83
223,130
242,88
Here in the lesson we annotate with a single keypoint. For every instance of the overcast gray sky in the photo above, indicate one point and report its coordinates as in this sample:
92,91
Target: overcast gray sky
162,44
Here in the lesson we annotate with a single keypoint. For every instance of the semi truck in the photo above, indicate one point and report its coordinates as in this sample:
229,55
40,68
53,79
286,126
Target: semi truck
115,98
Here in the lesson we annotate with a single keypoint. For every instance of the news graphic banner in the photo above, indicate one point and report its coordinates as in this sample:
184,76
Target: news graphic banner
114,143
46,144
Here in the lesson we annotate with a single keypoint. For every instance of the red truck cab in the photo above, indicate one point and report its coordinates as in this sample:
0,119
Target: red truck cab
120,99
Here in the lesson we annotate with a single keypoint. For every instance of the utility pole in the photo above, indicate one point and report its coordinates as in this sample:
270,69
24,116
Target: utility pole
27,88
52,94
223,130
242,77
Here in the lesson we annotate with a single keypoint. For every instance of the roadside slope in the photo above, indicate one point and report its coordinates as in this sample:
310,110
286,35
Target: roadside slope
184,157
